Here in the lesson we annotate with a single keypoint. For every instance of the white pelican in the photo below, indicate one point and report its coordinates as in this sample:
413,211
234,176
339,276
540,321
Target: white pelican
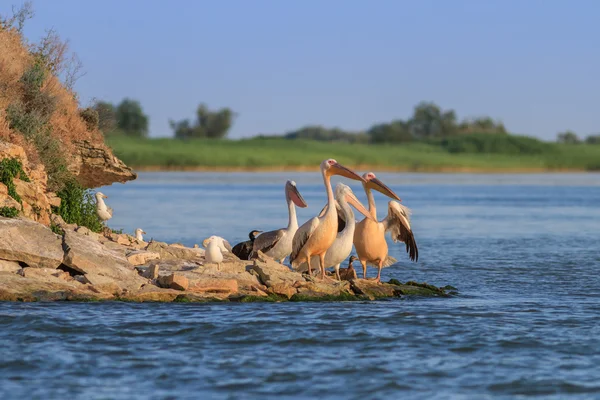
342,245
369,235
138,234
215,247
104,212
243,249
317,234
278,243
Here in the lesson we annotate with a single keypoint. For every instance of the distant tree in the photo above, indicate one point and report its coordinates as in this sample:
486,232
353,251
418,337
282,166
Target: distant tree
107,116
317,132
428,121
567,137
208,124
131,118
481,125
395,132
593,139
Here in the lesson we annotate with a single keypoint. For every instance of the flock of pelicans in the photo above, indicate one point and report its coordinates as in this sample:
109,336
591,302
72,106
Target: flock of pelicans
327,239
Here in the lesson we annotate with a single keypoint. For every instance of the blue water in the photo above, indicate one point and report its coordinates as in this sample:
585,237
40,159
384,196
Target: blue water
523,250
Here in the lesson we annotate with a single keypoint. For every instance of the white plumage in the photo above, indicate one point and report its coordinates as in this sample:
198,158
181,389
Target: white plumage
138,234
104,212
215,247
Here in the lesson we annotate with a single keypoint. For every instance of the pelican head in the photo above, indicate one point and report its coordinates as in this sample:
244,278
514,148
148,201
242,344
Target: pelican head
331,167
344,191
140,231
253,234
292,193
371,182
100,195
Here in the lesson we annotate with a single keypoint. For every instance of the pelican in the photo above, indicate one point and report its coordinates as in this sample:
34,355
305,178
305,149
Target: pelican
138,234
369,235
243,249
278,243
317,234
215,247
104,212
342,245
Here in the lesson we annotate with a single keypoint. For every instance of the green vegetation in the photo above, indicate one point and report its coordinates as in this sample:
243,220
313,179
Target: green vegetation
11,168
8,212
77,206
477,152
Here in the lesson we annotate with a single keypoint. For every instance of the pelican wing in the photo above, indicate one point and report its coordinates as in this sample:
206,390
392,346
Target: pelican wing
397,223
389,260
302,235
266,241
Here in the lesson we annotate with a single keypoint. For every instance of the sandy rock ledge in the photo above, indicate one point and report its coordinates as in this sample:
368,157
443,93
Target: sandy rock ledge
38,265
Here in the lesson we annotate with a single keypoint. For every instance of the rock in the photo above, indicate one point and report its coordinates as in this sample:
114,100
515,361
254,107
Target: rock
174,265
53,199
9,266
170,252
6,200
82,230
282,289
35,203
58,221
141,257
95,165
214,285
374,290
321,289
85,255
30,243
173,281
151,272
272,273
14,287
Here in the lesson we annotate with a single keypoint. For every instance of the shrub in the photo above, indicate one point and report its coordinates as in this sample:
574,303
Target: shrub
8,212
77,206
11,168
91,118
494,143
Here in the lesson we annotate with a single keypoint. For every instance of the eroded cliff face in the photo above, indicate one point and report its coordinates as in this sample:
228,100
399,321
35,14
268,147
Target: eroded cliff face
95,165
92,165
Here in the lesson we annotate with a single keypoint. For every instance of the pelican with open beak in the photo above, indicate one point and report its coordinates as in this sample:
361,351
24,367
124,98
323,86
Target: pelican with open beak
278,243
369,235
317,234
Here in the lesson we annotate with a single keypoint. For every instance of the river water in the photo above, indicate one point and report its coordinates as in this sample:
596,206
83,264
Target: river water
523,251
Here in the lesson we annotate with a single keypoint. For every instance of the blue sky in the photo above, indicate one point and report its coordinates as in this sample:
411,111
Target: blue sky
534,64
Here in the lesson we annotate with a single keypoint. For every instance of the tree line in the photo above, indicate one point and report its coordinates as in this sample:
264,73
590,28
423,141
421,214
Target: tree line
428,121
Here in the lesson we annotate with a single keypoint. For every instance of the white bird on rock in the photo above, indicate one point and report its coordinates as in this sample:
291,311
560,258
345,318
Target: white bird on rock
104,212
215,247
138,234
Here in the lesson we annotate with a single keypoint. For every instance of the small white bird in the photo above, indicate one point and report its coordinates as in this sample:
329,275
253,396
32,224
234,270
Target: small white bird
138,234
104,212
215,247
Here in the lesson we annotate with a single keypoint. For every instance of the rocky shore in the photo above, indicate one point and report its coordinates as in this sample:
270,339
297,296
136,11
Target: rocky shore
38,265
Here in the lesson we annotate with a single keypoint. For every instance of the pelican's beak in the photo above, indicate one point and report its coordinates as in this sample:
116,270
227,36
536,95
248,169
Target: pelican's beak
296,197
205,243
144,232
339,169
105,196
382,188
351,198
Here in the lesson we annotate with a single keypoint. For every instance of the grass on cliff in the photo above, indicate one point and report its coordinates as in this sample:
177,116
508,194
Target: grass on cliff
469,153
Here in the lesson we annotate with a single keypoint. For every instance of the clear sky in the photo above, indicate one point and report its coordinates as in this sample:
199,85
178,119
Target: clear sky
534,64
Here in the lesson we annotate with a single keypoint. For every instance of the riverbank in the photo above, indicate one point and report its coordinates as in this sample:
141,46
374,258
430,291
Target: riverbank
278,154
37,264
